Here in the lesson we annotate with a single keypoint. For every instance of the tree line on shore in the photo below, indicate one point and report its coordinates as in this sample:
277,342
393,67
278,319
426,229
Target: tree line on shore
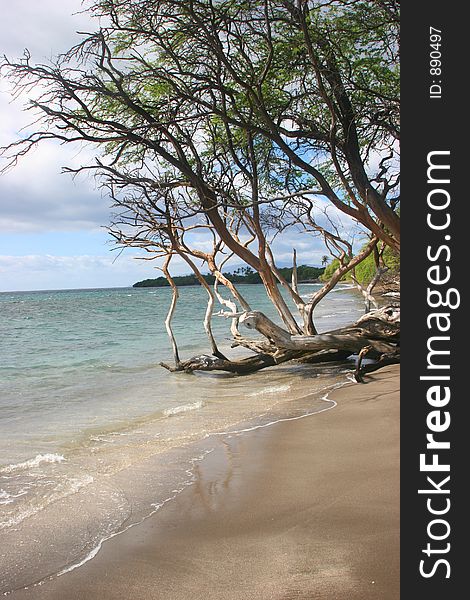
244,275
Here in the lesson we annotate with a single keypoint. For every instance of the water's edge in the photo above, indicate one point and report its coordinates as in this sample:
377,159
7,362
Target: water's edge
95,437
199,454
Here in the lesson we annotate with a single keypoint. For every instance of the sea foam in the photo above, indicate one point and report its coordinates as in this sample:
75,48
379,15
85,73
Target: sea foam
33,462
72,487
168,412
274,389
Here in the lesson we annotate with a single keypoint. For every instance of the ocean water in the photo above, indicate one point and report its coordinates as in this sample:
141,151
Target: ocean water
95,436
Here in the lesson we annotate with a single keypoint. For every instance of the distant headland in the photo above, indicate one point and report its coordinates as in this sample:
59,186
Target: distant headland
305,274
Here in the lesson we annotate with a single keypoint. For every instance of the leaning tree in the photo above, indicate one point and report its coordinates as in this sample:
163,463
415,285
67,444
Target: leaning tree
240,119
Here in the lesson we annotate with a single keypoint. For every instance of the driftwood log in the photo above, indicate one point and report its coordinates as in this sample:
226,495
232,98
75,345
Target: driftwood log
376,334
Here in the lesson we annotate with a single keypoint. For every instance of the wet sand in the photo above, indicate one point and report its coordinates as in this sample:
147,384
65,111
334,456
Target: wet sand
305,509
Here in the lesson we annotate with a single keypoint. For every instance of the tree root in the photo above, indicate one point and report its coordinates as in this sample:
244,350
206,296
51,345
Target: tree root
392,358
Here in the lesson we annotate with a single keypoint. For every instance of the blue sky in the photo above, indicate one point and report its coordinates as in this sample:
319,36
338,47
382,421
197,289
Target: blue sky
51,226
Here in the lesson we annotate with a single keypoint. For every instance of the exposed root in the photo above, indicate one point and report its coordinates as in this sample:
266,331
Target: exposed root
393,358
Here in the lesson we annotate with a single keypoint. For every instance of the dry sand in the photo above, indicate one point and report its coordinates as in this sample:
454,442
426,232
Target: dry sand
305,509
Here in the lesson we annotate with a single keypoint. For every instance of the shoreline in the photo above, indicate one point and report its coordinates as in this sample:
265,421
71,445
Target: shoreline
306,508
110,503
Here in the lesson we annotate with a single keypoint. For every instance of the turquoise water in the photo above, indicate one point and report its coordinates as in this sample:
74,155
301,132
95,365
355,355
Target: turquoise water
88,419
73,360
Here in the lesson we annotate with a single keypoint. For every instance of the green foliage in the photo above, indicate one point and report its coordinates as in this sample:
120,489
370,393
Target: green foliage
330,269
261,78
241,275
181,280
366,269
304,273
392,260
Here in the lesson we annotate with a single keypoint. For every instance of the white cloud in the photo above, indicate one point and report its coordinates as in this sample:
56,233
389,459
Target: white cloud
32,272
35,196
47,272
45,27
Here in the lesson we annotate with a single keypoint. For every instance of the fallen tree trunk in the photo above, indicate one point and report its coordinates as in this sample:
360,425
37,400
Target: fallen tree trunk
244,366
349,338
378,332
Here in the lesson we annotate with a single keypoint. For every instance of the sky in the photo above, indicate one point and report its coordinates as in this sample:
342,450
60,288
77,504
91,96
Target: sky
52,233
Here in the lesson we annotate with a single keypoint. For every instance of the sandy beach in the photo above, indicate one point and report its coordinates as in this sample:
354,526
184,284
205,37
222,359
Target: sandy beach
304,509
